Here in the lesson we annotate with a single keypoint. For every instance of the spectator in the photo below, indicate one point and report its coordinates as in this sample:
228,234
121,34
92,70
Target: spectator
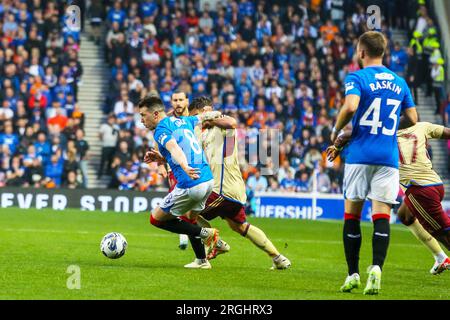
312,157
147,179
82,148
273,186
15,175
43,148
285,170
323,181
303,184
399,60
9,138
288,183
127,176
97,14
53,172
108,135
257,182
438,76
71,181
70,164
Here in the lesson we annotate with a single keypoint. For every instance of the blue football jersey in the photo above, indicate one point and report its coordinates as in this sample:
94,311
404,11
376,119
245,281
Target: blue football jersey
383,97
182,130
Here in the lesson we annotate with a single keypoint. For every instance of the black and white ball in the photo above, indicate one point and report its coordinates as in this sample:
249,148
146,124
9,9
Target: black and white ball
113,245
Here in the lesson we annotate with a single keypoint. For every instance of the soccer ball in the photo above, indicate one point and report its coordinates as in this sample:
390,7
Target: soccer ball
113,245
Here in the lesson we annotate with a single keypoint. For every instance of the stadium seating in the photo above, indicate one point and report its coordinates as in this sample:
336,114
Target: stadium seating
270,64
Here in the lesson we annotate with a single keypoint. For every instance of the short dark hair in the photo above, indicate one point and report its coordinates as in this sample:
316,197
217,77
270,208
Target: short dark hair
374,43
200,103
153,102
177,91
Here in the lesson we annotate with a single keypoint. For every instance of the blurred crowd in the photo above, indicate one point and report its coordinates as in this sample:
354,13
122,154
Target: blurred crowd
41,124
275,65
270,64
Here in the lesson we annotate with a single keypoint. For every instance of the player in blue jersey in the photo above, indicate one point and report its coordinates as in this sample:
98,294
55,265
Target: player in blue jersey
179,146
375,97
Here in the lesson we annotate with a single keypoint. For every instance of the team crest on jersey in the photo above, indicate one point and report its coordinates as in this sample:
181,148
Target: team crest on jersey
384,76
177,122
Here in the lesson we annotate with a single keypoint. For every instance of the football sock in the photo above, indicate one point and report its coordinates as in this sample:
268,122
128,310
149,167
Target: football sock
380,238
352,241
177,226
198,247
259,238
200,261
428,240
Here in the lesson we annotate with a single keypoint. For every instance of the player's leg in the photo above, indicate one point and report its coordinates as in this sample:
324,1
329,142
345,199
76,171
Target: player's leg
198,196
381,232
424,203
356,188
174,205
384,189
163,220
408,219
259,239
352,239
184,239
211,211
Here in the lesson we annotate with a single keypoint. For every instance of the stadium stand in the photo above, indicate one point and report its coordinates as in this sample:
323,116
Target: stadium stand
41,124
270,64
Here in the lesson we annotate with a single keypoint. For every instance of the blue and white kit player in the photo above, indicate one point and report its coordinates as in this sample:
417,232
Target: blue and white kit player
179,146
375,97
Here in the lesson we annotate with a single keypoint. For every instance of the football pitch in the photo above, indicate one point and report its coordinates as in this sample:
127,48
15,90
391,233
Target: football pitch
38,248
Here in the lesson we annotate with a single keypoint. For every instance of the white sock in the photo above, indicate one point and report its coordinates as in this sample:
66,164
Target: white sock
440,257
200,261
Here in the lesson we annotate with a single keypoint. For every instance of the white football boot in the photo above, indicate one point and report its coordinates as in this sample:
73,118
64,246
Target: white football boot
280,262
440,267
198,264
351,282
374,281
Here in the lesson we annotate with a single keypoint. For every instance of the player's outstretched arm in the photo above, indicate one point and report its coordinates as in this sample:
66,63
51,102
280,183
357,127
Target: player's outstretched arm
179,156
446,134
346,114
223,122
154,156
209,115
408,119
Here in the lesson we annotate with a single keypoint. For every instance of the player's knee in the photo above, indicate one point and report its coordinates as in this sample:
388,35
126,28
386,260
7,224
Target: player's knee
242,228
405,218
237,227
154,221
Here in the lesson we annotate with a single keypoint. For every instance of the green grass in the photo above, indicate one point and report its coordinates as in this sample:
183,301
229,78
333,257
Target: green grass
38,246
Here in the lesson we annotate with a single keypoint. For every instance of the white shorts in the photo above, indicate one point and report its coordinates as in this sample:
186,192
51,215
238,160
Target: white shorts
180,201
374,182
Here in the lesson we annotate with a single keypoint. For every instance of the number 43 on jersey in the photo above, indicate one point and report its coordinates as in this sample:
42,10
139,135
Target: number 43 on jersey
375,123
